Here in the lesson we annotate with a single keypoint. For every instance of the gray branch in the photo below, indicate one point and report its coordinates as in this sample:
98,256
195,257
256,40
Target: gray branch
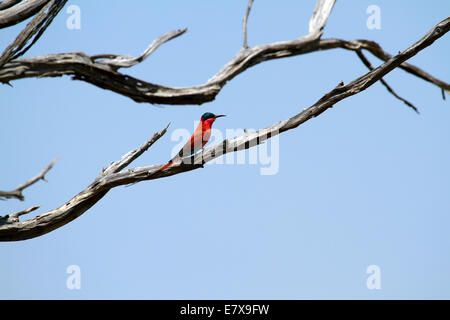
34,29
320,15
103,73
244,24
114,176
14,217
129,157
126,61
102,70
13,13
5,4
387,86
17,192
86,68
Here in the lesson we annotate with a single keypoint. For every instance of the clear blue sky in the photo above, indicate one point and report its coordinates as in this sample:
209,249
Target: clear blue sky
366,183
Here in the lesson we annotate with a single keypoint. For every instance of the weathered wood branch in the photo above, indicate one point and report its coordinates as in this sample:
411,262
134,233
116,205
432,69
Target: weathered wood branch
35,28
320,15
114,175
14,230
387,86
17,193
129,157
103,73
126,61
102,70
5,4
14,12
14,217
244,24
83,67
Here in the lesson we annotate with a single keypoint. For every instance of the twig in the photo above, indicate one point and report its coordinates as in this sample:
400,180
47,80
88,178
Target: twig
244,25
122,61
14,217
20,213
369,65
128,158
17,192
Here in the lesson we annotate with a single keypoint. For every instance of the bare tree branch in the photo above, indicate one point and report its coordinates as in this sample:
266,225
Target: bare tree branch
101,70
35,28
17,192
126,61
320,15
15,13
14,217
104,74
128,158
8,3
244,24
375,49
388,87
82,67
114,177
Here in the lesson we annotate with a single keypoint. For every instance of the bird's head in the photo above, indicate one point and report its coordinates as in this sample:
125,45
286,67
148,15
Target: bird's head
209,118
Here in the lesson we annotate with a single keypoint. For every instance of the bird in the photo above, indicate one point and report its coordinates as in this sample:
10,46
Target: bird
199,138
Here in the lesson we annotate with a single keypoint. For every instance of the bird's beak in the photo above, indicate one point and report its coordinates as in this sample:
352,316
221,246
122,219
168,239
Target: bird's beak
220,115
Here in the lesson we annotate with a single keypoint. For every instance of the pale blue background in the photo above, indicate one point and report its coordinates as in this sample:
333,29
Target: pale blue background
368,182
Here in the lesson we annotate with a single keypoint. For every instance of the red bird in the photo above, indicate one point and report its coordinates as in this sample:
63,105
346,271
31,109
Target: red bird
197,140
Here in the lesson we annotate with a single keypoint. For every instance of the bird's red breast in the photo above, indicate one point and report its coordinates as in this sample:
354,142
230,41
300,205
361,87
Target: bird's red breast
200,137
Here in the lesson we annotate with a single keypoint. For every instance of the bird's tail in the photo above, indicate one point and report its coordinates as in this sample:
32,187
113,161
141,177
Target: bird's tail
168,164
164,166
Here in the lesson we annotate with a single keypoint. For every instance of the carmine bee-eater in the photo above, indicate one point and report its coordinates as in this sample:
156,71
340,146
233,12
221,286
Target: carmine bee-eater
198,139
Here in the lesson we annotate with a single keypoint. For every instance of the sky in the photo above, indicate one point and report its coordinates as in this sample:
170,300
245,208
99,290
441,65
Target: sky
357,206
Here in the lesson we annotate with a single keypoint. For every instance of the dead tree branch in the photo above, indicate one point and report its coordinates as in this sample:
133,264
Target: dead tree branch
14,217
114,175
102,70
86,68
126,61
244,24
103,73
35,29
14,11
17,192
388,87
5,4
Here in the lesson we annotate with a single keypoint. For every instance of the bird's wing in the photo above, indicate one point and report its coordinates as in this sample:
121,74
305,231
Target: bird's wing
194,144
